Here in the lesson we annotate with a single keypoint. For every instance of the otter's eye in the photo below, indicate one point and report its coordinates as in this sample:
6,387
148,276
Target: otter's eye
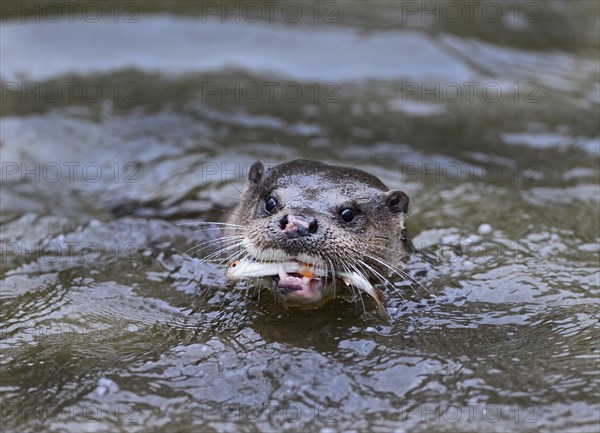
347,215
270,204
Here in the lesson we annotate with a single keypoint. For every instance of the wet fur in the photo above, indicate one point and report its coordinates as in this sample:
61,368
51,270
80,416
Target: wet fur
375,244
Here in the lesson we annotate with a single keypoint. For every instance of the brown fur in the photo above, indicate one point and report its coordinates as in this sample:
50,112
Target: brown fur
320,191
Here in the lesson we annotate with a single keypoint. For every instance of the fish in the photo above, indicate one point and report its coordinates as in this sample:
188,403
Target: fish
354,279
247,268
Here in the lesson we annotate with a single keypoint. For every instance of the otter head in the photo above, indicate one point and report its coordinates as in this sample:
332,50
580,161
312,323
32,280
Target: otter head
337,219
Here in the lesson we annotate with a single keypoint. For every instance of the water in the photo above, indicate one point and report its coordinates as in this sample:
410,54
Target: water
113,133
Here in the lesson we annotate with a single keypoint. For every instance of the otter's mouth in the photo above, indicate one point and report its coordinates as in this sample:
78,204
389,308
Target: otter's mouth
300,282
304,285
294,282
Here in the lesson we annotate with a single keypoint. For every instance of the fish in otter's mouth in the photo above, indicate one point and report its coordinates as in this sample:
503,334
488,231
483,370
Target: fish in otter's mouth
300,281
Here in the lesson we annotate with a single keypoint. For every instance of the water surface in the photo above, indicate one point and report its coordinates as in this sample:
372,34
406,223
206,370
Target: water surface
107,325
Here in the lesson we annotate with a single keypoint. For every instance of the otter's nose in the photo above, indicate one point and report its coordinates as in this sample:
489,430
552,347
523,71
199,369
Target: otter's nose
297,226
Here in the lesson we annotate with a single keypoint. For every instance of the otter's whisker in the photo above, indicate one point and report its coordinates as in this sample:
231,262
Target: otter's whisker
215,256
229,258
352,268
211,243
229,211
211,223
328,266
381,278
216,240
206,230
399,272
226,246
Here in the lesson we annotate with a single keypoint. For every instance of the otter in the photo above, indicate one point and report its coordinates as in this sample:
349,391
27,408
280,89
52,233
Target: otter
309,230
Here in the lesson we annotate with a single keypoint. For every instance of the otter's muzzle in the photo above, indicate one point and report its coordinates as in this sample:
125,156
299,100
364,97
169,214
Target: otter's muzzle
297,226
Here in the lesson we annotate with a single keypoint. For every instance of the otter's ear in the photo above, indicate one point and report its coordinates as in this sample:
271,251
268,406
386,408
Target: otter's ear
256,172
397,201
